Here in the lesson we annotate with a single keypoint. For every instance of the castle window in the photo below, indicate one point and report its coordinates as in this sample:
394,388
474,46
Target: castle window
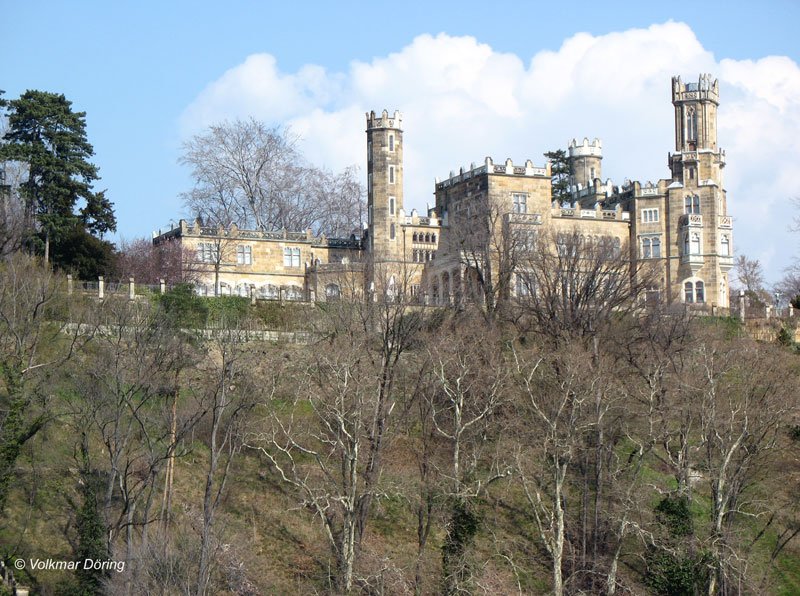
369,150
520,202
391,174
725,246
591,176
391,232
691,204
646,249
691,125
523,285
433,237
244,255
414,238
650,215
207,252
699,292
391,205
656,247
688,292
369,182
291,257
391,142
332,292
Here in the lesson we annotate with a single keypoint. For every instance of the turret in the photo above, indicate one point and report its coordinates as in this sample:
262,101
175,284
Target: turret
384,184
585,162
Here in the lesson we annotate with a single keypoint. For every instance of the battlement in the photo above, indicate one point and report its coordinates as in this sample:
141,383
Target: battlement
586,149
489,167
384,120
705,88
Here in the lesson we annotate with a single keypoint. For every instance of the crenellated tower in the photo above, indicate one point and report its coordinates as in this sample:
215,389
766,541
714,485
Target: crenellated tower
698,226
585,162
384,185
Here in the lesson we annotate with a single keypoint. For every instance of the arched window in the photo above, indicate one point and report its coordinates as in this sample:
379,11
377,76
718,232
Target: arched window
414,237
725,246
332,292
646,250
391,205
699,292
688,292
691,125
391,232
656,242
427,237
691,204
391,174
433,237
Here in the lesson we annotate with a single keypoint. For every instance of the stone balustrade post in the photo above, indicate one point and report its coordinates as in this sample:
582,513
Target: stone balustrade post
162,286
100,287
69,284
131,289
741,305
252,294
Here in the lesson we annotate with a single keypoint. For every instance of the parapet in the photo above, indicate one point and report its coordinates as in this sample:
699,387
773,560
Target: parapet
586,149
489,167
705,88
384,120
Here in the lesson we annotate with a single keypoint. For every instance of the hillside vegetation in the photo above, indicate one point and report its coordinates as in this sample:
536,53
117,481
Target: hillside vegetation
396,450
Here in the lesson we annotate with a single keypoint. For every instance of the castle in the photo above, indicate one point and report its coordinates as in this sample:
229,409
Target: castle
679,224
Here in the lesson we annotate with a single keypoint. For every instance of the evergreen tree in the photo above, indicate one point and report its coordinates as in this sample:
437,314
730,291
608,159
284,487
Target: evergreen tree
44,133
559,169
91,530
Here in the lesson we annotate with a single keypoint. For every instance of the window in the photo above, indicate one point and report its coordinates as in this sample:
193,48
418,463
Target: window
523,285
691,125
391,205
651,247
391,142
244,255
369,150
207,252
414,237
520,201
725,246
591,176
391,174
650,215
391,232
332,292
369,182
694,292
691,204
291,257
433,237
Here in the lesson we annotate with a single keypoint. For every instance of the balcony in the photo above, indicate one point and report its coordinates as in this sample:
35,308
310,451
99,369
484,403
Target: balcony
725,264
691,220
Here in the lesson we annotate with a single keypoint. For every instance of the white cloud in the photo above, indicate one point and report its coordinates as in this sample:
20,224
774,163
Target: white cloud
462,100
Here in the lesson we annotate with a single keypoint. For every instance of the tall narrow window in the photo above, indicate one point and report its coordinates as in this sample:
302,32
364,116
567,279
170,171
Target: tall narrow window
369,182
295,257
691,204
391,142
391,205
699,292
369,150
520,202
656,246
691,125
391,232
725,246
391,174
646,254
287,257
688,292
244,255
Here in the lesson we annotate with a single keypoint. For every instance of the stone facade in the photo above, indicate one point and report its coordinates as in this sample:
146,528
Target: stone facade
679,224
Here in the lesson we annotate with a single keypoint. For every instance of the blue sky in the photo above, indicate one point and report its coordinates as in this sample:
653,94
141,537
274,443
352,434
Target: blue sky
150,74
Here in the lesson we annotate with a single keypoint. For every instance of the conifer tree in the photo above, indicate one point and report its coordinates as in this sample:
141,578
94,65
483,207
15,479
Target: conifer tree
50,138
559,170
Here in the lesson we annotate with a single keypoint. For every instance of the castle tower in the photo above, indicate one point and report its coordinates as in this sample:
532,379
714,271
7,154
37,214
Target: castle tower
584,162
698,227
384,185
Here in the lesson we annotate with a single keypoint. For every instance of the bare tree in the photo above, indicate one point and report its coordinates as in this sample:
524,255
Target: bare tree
254,176
328,443
749,277
148,263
